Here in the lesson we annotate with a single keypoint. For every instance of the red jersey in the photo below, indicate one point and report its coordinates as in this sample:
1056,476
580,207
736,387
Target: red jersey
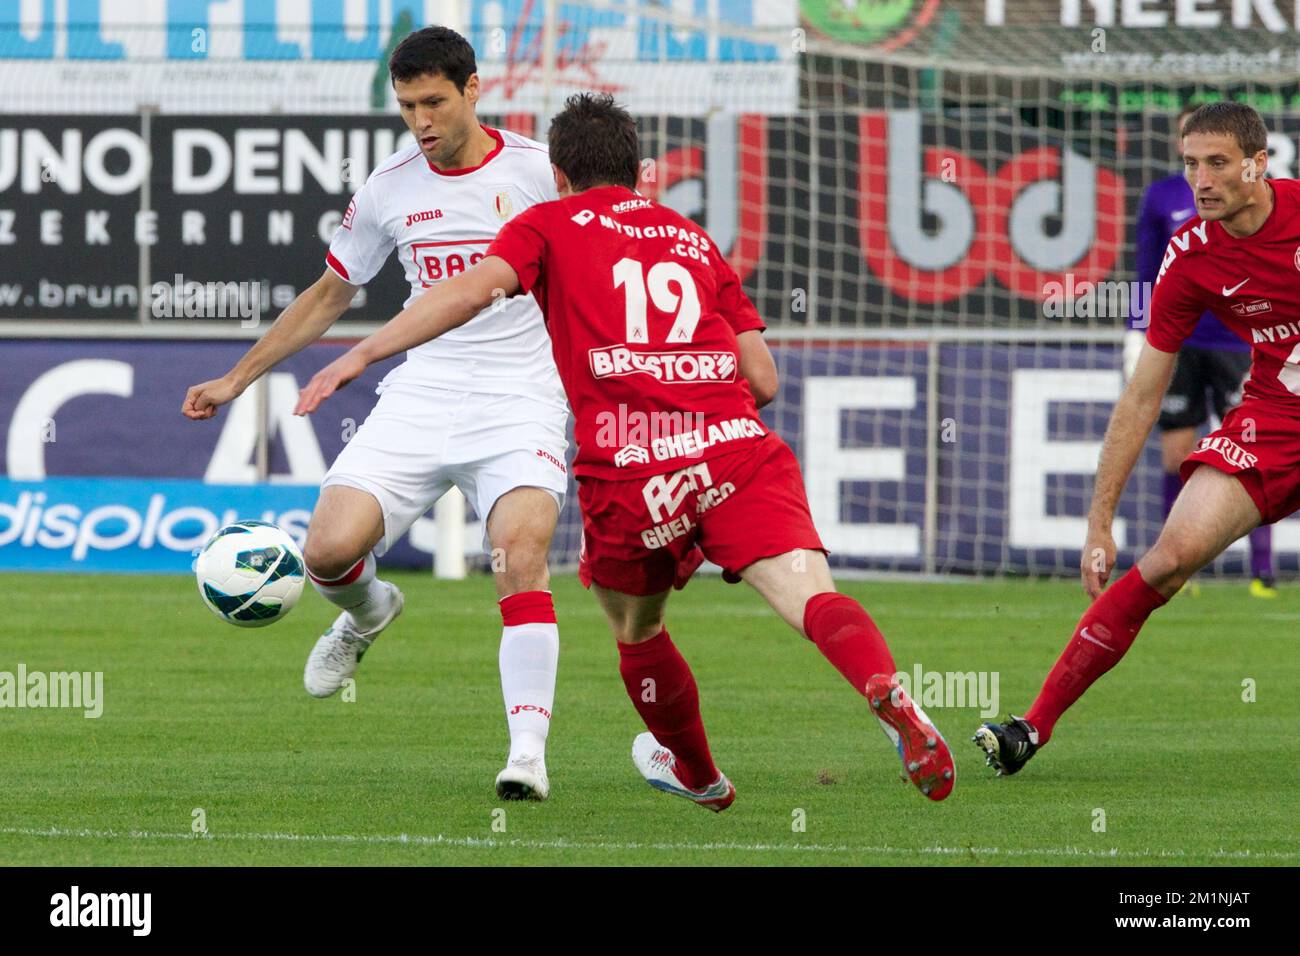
1252,285
643,313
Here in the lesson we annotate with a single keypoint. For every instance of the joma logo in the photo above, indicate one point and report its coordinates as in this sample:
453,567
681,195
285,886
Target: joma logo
414,217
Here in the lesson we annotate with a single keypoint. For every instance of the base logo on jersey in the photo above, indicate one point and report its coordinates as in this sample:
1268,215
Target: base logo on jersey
631,455
694,443
1275,333
712,496
1181,242
664,534
631,205
587,215
503,206
1229,450
672,368
547,456
530,709
1252,308
352,211
428,214
664,494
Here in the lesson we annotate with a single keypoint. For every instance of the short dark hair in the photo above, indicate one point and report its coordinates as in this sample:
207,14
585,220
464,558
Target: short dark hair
1230,119
434,50
593,141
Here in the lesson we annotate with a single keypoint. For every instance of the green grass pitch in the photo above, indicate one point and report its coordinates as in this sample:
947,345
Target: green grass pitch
199,715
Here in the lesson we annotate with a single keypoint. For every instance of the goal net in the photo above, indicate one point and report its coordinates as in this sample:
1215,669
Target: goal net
931,203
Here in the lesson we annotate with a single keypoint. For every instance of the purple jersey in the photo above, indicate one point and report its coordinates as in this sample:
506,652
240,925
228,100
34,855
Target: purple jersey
1166,205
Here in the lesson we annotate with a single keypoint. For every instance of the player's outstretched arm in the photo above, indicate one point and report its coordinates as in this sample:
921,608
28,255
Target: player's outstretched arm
757,367
1150,239
1130,424
448,305
307,318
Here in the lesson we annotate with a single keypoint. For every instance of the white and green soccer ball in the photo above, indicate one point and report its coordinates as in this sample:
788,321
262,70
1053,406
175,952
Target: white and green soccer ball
250,573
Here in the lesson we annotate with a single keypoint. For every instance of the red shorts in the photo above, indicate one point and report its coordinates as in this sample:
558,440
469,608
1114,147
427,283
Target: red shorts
740,508
1260,447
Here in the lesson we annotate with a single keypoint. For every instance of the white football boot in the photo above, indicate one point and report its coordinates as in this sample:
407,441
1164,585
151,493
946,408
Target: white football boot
659,767
524,779
336,655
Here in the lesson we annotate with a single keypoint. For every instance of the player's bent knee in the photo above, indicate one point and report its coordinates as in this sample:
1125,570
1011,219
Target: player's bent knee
636,632
329,559
1167,565
519,563
518,579
633,624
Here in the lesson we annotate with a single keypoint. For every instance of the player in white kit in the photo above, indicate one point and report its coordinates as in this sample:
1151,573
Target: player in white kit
482,409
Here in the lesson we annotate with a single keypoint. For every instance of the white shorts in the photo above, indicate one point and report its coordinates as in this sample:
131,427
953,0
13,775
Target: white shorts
418,441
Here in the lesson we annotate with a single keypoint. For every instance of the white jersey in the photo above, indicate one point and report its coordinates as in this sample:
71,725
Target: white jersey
441,223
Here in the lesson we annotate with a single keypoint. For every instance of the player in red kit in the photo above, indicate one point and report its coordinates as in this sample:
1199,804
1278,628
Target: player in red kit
1239,258
661,355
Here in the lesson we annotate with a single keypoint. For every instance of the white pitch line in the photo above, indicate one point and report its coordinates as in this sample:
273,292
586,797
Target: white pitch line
409,839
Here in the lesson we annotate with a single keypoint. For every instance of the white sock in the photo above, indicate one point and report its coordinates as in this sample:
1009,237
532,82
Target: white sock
358,592
530,651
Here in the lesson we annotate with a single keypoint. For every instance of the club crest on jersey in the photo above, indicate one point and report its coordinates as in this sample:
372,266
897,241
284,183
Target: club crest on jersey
503,206
1297,257
671,368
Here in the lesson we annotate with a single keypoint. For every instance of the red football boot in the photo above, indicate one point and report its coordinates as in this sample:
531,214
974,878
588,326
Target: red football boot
926,758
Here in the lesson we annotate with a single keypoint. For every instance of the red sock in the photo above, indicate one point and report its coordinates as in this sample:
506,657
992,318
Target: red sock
663,691
1104,634
847,637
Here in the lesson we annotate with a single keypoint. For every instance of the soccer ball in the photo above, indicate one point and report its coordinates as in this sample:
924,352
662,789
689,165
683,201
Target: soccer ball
250,574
